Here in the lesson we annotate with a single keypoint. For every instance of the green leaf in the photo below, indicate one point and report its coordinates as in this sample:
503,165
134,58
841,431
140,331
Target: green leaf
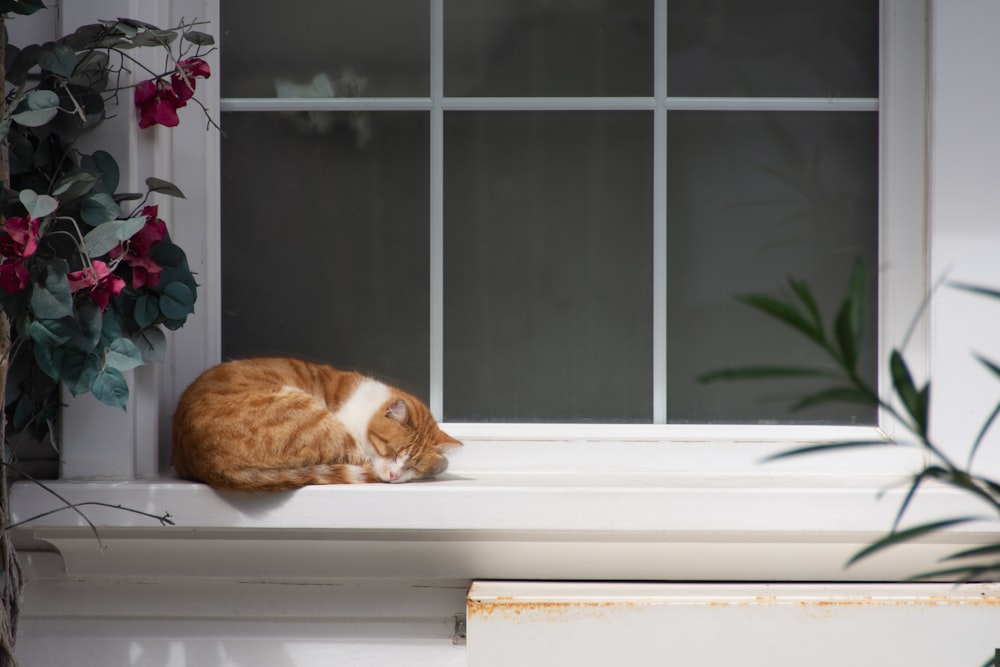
37,206
847,326
835,395
22,7
123,355
101,239
163,187
805,296
152,343
50,332
52,300
975,552
199,38
177,301
60,60
89,322
765,373
154,38
784,312
38,108
99,208
976,289
828,447
899,537
913,400
109,387
74,185
146,311
77,370
930,472
102,162
49,360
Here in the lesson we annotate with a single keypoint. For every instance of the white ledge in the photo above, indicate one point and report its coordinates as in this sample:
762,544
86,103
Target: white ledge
569,526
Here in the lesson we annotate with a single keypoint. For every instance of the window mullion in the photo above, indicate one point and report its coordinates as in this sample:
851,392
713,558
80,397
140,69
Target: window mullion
437,209
660,213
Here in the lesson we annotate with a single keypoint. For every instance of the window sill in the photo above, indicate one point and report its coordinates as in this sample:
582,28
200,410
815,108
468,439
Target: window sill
612,526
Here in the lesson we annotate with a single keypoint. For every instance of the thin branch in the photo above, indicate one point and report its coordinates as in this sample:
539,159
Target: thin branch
164,519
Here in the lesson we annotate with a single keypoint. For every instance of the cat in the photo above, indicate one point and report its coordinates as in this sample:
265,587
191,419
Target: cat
276,423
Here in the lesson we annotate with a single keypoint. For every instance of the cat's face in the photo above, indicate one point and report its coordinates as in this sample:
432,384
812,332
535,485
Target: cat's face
407,442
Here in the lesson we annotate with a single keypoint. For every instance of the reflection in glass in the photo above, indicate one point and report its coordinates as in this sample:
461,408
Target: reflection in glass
350,48
548,265
772,48
548,48
754,198
324,256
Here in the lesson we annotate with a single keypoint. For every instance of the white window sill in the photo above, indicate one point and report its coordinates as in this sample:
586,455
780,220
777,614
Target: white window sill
466,525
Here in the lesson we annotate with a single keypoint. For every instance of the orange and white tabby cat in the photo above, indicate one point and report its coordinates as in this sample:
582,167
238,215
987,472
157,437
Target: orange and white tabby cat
271,424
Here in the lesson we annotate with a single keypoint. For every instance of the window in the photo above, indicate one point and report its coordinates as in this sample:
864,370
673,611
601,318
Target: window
539,212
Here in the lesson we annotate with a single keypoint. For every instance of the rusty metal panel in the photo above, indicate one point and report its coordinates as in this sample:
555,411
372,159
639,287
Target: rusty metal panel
716,625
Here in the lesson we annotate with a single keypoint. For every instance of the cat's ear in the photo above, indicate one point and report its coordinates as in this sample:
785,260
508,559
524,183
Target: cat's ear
397,411
446,442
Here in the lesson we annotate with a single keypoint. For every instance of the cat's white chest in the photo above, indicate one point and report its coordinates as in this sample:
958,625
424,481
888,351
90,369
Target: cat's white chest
357,411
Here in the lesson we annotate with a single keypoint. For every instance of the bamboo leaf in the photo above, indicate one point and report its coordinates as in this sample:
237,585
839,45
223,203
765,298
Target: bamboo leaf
847,326
913,400
805,296
827,447
835,395
982,433
976,552
976,289
918,479
784,312
913,533
970,573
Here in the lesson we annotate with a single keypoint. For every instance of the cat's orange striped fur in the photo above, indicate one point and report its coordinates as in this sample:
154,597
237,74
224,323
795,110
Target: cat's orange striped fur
272,424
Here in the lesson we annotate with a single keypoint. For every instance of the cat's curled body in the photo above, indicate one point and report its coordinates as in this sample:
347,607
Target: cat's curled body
275,423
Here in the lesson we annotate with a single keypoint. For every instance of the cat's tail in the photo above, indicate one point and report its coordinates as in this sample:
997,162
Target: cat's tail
286,479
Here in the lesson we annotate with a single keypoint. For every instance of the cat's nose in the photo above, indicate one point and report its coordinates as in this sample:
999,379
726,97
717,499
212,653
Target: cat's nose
394,475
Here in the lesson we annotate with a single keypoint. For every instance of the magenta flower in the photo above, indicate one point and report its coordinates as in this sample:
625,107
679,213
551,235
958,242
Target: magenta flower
18,241
136,251
97,282
158,101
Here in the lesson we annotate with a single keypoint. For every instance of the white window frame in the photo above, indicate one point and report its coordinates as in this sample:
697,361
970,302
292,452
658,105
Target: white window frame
657,501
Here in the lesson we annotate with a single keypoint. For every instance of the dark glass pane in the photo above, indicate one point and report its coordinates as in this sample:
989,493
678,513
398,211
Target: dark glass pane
334,48
324,242
548,48
752,199
772,48
548,266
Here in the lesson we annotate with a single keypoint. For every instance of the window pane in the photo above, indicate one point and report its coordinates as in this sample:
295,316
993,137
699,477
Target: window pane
754,198
548,265
772,48
319,260
548,48
334,48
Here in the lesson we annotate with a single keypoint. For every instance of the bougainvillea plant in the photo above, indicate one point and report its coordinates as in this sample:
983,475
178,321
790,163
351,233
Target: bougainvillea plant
89,277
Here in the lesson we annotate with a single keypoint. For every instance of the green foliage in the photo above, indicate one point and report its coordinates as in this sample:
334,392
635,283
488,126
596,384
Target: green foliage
841,345
89,284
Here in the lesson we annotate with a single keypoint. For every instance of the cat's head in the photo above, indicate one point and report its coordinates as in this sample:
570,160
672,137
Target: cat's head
407,442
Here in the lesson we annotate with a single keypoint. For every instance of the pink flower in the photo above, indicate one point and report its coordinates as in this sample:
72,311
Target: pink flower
136,250
158,101
157,104
183,80
97,282
18,241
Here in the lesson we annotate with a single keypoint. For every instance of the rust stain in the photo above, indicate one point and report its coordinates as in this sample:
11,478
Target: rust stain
518,610
510,608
